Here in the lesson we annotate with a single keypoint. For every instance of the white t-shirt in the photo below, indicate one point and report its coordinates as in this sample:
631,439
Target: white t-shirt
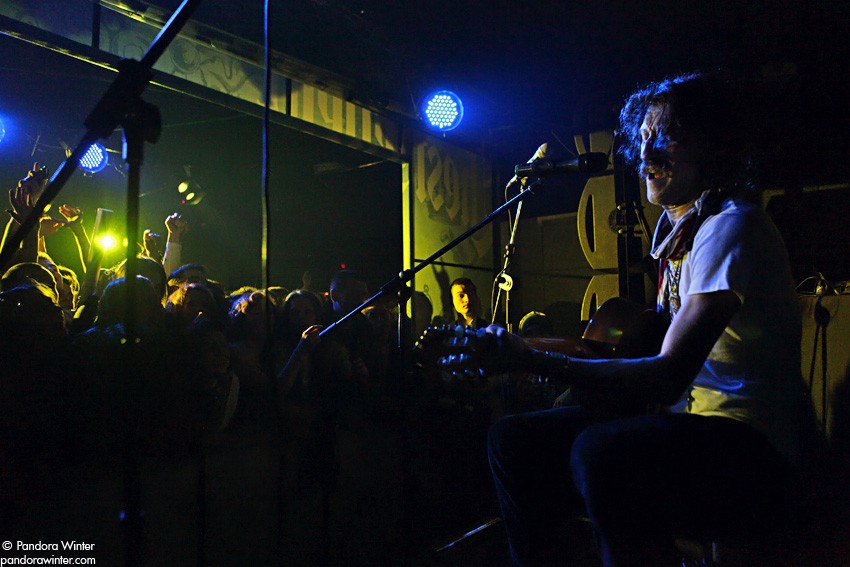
753,371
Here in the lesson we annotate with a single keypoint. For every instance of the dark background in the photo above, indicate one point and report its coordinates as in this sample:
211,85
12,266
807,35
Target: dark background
531,70
528,73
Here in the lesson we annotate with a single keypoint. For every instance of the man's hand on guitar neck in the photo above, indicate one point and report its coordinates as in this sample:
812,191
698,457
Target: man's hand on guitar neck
487,351
465,353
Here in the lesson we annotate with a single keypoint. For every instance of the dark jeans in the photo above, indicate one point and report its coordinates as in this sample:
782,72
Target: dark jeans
642,481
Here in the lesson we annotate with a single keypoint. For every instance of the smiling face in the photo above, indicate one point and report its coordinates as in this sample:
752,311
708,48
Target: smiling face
668,167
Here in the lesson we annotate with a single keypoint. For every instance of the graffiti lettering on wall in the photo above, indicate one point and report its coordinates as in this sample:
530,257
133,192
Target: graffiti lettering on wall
324,109
442,186
203,63
451,186
451,190
190,60
52,15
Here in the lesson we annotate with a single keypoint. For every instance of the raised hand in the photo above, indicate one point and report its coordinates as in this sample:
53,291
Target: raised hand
152,244
50,225
74,221
21,200
310,337
35,182
71,214
176,226
23,197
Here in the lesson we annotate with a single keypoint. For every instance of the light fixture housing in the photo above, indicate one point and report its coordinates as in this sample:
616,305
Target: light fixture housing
95,159
442,110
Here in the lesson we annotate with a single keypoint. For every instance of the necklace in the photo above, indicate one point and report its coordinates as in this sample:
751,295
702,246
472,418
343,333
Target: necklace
674,274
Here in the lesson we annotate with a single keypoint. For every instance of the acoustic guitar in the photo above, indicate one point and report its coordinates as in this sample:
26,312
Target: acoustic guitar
618,329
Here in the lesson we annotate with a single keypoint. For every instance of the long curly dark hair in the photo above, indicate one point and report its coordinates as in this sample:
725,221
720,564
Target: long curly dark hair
706,112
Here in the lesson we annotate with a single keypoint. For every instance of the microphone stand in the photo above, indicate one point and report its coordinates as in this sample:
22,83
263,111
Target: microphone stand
120,105
400,283
503,279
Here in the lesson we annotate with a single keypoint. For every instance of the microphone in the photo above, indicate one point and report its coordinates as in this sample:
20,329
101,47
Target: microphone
595,162
539,154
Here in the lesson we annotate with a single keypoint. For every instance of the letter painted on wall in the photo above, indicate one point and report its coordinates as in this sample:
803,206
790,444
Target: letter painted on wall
324,109
451,192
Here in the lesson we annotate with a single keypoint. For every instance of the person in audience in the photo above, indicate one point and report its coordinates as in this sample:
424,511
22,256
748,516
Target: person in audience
536,324
466,303
31,314
150,269
348,290
147,306
70,291
28,272
193,300
187,273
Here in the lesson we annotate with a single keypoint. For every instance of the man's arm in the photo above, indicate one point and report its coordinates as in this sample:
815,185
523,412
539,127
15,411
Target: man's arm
177,227
660,379
74,221
21,200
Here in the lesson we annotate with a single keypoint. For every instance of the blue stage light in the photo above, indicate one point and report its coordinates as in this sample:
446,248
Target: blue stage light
95,159
2,129
443,110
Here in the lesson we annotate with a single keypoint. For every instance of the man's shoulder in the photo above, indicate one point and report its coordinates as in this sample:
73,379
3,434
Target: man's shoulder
737,214
738,206
738,227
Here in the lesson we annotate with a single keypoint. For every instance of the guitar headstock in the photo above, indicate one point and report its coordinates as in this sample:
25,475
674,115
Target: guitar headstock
457,352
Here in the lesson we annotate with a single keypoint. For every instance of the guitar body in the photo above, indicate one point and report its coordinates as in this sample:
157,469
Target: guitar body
619,329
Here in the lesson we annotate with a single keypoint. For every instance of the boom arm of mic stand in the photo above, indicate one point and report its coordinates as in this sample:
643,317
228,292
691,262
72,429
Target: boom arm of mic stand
395,284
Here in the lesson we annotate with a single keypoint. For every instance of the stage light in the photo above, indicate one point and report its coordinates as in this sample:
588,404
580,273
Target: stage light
193,198
189,189
107,242
95,159
443,111
2,129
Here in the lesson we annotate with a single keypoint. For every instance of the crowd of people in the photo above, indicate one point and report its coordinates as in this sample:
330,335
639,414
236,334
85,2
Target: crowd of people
104,373
96,364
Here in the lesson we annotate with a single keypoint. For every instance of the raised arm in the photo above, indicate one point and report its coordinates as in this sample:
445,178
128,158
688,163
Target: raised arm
173,257
74,221
21,199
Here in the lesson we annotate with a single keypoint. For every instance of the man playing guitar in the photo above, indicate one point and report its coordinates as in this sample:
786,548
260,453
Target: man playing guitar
718,462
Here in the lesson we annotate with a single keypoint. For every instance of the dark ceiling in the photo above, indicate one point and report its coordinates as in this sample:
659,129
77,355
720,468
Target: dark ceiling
528,73
531,71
